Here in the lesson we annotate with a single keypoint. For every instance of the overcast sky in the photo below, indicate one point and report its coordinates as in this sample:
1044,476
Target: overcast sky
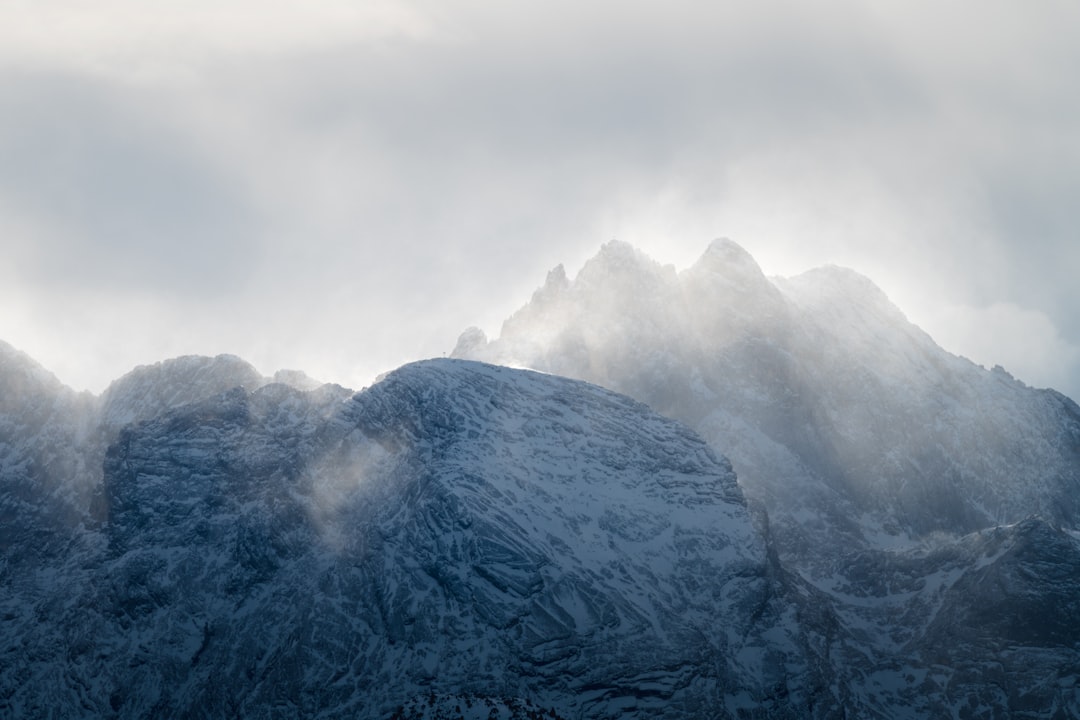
344,186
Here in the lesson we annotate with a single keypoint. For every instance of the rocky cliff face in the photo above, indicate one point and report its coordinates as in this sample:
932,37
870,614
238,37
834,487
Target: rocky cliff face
456,531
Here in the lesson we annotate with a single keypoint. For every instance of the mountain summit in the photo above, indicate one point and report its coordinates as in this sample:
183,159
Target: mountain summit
892,473
817,387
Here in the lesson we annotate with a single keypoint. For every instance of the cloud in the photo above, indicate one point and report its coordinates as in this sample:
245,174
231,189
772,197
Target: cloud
358,182
109,194
156,41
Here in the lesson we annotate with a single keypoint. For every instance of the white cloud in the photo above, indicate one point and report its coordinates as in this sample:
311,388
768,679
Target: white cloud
156,40
334,171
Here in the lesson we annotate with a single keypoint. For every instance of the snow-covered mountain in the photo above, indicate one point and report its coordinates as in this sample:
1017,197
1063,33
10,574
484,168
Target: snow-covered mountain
933,504
458,531
839,416
896,535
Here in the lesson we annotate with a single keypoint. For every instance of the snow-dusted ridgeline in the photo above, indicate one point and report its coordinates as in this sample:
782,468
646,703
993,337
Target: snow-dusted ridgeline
847,422
457,530
463,540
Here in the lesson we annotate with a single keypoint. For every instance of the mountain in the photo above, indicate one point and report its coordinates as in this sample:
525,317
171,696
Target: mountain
457,534
895,535
931,505
841,418
45,431
53,440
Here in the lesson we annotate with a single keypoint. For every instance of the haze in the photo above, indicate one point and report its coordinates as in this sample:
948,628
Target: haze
344,187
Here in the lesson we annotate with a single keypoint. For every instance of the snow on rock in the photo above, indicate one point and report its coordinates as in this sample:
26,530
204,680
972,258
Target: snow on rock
456,530
886,467
149,390
844,420
467,540
45,429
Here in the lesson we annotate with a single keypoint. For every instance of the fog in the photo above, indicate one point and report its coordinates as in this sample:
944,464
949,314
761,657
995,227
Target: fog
342,189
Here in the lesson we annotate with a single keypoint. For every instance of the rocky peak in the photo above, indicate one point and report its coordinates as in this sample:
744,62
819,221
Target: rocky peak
729,296
152,389
725,257
23,380
457,529
470,344
621,270
840,293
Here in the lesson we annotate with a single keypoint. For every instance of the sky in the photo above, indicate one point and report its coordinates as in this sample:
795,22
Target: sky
342,186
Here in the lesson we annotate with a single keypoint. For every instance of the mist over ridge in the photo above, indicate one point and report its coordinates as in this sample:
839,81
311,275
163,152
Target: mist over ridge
799,506
668,480
816,382
888,468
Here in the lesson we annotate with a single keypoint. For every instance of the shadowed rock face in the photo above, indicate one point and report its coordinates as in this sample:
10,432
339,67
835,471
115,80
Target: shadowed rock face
45,434
456,529
53,440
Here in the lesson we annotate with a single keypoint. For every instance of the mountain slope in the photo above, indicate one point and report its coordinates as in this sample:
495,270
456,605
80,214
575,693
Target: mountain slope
893,474
45,432
984,626
465,540
457,530
841,418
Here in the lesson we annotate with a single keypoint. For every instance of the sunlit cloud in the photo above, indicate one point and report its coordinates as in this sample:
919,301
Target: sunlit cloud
156,41
357,183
